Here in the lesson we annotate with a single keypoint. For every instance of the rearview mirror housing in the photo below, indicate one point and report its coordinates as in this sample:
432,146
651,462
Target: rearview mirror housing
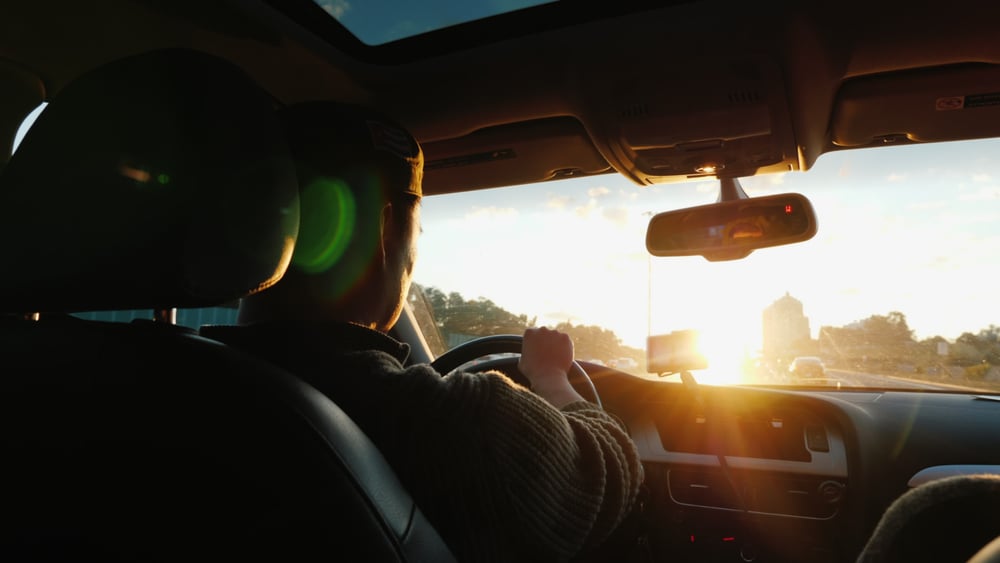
730,230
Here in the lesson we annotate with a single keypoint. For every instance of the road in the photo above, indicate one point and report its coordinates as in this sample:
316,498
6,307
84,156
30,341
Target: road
838,378
847,378
861,379
841,378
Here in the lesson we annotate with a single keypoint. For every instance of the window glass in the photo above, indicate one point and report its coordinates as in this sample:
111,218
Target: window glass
897,288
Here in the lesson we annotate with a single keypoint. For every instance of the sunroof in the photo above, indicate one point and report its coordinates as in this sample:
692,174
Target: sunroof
376,22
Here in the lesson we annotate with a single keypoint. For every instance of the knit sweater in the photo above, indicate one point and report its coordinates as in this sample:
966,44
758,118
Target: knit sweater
501,474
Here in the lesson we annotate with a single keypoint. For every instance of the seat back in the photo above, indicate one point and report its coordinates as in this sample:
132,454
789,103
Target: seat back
155,182
947,519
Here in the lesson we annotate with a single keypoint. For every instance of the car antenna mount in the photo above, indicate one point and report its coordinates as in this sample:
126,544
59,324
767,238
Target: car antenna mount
689,383
692,386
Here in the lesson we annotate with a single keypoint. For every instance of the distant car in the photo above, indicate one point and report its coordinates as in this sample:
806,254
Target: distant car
807,367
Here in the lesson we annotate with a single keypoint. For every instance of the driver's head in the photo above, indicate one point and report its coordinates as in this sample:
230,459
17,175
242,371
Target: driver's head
360,179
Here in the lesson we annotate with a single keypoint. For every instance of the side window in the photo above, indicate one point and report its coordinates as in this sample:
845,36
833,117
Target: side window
26,124
191,318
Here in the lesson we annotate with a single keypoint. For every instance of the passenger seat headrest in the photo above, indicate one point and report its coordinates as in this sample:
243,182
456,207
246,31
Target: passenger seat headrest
160,180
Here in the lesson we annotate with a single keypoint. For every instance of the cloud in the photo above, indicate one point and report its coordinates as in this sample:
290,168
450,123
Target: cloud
558,202
584,211
926,205
336,8
894,177
598,192
983,194
631,194
617,215
980,178
941,263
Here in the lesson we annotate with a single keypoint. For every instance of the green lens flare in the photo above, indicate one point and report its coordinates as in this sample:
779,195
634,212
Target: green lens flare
326,227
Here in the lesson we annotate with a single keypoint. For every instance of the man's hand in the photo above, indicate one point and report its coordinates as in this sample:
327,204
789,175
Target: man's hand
546,356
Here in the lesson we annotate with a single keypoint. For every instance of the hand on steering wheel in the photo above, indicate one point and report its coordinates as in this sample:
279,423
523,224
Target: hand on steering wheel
509,343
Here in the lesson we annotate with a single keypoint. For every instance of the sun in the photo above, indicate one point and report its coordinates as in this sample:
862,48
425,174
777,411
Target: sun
726,349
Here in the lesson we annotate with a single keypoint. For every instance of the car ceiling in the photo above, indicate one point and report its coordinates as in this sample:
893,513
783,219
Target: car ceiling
655,93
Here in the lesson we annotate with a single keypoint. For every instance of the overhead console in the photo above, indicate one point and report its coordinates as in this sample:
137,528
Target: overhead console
717,117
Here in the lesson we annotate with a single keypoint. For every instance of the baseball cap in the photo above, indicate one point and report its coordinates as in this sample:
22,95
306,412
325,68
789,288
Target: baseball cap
348,139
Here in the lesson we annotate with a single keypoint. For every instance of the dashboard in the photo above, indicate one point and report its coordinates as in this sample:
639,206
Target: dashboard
742,477
784,474
788,475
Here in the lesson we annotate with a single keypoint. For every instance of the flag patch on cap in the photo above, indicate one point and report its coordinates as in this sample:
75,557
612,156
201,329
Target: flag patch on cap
392,139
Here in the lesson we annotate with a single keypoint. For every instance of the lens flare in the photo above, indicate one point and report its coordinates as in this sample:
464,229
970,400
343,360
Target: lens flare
135,173
329,213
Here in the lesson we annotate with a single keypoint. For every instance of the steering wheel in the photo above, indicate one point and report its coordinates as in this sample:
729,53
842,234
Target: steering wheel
509,343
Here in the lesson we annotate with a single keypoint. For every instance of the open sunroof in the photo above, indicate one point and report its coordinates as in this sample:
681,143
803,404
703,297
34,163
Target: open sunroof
377,22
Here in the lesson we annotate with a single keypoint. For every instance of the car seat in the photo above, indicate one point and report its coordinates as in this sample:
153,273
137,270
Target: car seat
944,520
153,182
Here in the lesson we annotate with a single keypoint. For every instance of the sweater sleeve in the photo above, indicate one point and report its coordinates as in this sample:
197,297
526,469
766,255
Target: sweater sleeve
573,474
557,481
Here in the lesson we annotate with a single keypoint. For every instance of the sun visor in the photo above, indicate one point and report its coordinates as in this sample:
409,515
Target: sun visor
923,105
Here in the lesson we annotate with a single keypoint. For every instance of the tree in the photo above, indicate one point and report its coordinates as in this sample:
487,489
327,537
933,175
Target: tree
454,314
450,314
594,342
877,342
990,338
968,350
888,330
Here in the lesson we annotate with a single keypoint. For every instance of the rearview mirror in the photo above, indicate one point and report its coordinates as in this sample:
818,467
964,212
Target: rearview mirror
732,229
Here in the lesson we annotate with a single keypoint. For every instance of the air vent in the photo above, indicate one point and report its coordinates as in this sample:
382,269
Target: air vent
799,496
744,97
634,111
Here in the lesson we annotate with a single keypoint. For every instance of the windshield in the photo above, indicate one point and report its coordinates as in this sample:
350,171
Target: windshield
897,289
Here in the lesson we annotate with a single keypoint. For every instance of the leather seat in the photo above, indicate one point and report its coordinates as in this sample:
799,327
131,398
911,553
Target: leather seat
944,520
156,182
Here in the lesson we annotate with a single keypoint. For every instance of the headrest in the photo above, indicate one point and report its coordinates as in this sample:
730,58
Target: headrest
160,180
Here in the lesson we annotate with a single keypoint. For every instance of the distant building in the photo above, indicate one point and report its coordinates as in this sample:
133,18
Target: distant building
785,328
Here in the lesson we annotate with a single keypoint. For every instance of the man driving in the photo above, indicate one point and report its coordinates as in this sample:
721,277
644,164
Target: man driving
503,472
